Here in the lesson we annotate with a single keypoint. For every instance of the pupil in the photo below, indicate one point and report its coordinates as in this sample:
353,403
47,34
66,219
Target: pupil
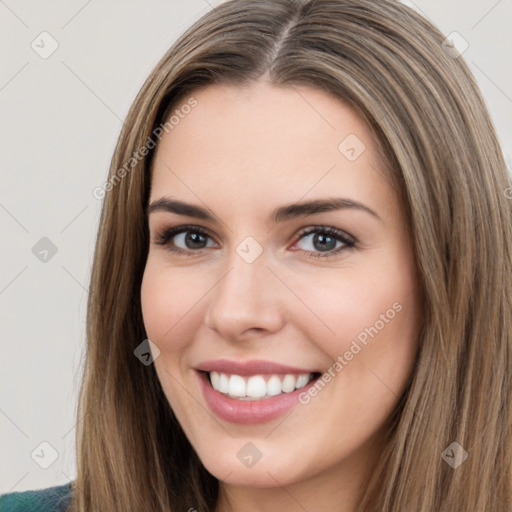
194,240
322,239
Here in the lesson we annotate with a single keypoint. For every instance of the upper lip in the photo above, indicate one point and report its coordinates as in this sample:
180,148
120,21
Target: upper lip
252,367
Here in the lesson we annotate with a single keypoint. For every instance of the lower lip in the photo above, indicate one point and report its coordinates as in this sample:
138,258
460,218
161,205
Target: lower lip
249,412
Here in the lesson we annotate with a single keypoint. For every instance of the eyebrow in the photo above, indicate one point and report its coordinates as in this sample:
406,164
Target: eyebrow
280,214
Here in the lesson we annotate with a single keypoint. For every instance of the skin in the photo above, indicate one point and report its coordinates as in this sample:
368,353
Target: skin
241,152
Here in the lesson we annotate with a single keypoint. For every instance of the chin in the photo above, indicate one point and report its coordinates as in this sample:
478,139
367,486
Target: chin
227,465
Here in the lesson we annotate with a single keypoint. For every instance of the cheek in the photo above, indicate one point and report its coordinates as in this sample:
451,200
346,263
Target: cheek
170,300
357,306
367,323
171,304
373,347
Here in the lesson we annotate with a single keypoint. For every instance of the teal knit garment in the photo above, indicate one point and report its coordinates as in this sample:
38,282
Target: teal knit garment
51,499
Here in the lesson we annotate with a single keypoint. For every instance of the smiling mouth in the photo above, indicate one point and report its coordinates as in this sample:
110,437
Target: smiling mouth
258,387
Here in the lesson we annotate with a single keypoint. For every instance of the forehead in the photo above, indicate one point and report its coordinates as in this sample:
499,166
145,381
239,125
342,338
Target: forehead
266,143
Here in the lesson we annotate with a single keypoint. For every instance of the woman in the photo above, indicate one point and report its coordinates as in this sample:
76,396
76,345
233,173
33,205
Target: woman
301,294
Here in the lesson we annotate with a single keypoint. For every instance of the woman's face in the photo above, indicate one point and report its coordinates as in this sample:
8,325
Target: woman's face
268,295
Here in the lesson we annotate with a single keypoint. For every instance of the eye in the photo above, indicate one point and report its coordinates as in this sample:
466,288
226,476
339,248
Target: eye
324,241
317,242
190,238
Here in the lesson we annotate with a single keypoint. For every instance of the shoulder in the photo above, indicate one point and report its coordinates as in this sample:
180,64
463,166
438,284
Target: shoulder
51,499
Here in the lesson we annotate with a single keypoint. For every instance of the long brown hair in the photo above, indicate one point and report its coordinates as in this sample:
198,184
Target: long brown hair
426,112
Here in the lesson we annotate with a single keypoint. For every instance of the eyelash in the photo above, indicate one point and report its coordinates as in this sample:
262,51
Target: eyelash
349,242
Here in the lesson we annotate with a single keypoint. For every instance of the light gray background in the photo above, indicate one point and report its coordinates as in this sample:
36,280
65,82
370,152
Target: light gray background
60,118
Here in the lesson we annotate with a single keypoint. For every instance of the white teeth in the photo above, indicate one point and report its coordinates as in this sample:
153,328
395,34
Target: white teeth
256,387
274,386
223,383
288,384
302,380
237,386
214,376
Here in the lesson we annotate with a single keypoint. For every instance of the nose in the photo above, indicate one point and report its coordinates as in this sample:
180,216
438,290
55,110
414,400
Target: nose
246,302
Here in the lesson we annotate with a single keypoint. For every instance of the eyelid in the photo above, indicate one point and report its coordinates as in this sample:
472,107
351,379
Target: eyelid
162,237
326,229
